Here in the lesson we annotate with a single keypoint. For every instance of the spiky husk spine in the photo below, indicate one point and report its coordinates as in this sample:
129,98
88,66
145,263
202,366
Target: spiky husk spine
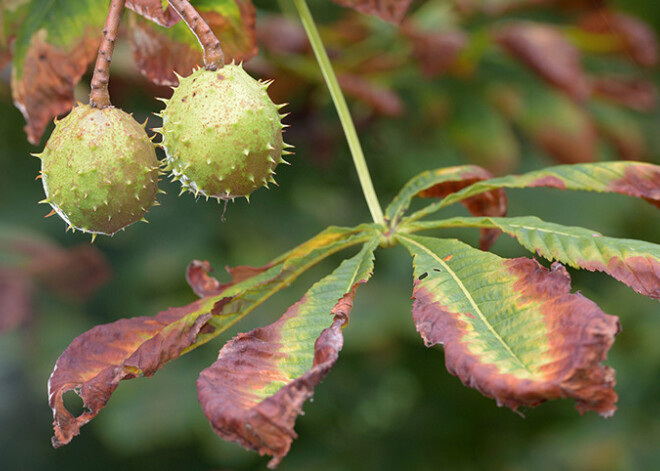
222,134
99,170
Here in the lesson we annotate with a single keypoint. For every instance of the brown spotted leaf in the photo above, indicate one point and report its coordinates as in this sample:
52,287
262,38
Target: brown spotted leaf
100,358
389,10
544,50
159,52
53,49
511,328
254,392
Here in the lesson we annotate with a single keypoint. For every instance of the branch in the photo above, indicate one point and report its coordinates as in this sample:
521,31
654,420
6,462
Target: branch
214,57
99,96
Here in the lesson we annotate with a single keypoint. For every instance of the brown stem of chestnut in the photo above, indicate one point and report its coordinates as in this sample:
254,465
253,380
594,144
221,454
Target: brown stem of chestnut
99,96
214,57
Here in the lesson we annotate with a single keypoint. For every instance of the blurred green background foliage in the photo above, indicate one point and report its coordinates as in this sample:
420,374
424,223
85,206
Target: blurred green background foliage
389,403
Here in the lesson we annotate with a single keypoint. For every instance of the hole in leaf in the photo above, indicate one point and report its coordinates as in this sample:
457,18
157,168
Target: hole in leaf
73,403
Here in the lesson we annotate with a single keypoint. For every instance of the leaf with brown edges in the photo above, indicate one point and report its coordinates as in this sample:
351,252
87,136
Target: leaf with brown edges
159,52
52,51
96,361
511,328
254,392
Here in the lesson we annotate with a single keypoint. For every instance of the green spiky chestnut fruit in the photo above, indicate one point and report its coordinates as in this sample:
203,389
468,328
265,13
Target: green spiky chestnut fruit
222,133
99,170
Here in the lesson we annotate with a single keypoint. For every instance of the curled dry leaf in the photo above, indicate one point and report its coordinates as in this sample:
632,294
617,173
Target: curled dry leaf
511,328
544,50
159,52
254,392
635,37
389,10
96,361
382,100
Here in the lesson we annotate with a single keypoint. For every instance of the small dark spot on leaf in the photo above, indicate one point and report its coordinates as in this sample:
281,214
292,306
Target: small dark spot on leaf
221,77
422,276
437,269
42,57
183,100
194,94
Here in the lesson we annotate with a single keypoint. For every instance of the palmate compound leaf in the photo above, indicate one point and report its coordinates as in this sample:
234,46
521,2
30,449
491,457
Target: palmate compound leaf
633,262
510,327
254,392
53,48
97,360
445,181
160,52
638,179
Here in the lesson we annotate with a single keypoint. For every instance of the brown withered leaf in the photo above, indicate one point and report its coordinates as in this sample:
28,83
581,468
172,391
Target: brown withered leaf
45,87
96,361
160,52
389,10
511,328
15,298
636,38
544,50
637,94
248,362
436,52
153,10
197,276
492,203
380,99
254,392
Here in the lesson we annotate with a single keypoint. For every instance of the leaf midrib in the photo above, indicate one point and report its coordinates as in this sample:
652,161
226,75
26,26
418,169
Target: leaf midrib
471,300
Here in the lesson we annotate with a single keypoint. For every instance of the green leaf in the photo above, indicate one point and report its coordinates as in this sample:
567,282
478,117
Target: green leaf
255,390
633,262
97,360
159,52
638,179
510,327
53,48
